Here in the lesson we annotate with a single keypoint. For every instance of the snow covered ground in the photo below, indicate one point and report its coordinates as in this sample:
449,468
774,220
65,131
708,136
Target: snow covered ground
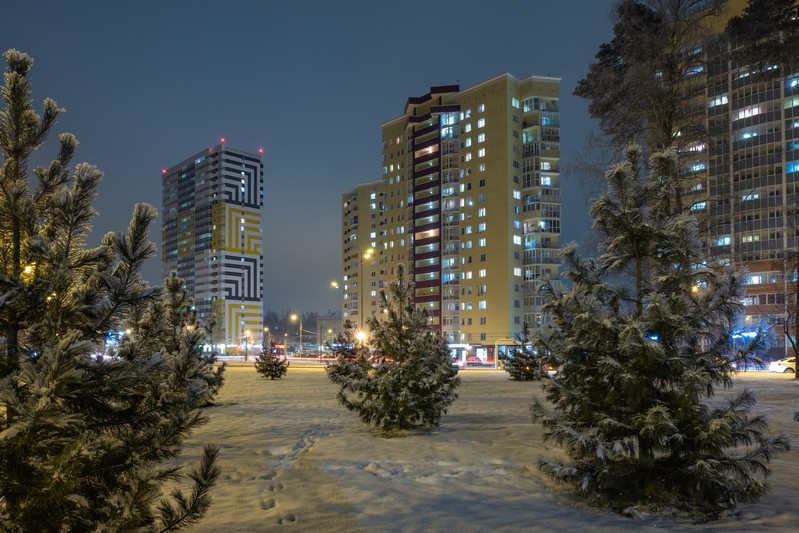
293,459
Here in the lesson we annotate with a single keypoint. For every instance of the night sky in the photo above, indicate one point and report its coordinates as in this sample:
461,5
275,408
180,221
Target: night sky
149,83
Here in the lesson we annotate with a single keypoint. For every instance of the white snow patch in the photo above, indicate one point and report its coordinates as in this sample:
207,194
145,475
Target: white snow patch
293,457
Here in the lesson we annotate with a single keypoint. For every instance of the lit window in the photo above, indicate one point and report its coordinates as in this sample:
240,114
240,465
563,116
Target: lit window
517,271
481,227
750,196
481,152
698,69
517,239
467,157
483,165
750,111
514,102
482,272
467,128
755,280
724,240
481,212
481,137
546,181
481,242
697,147
481,122
517,194
698,206
481,304
546,165
481,108
719,100
467,142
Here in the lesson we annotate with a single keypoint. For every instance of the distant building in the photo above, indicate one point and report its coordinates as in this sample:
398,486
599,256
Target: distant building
212,238
327,327
469,203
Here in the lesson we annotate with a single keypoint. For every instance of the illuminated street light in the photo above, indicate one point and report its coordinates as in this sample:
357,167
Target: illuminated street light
361,284
360,336
295,318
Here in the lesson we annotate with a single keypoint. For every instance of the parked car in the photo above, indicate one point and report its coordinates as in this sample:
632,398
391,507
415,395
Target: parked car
783,366
474,361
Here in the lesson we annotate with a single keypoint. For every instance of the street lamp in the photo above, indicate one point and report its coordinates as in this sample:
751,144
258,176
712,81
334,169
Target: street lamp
360,336
295,318
285,345
361,283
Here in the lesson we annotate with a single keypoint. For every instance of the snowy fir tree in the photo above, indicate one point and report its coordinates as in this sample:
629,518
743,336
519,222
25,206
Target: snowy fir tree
410,380
87,441
522,362
270,365
642,340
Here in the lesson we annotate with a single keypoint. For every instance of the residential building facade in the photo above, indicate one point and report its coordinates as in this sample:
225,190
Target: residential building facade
211,233
469,204
745,179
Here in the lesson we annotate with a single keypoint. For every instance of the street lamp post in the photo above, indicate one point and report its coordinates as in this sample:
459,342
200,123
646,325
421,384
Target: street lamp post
360,337
246,349
295,318
267,340
361,284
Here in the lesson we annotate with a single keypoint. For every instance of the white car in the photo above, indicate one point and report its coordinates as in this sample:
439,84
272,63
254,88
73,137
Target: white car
783,366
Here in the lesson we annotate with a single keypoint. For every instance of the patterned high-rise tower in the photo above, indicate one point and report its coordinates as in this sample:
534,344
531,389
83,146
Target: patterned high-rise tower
212,238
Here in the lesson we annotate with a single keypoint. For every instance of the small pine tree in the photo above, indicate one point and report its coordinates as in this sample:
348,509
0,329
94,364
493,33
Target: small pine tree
270,365
83,440
639,340
522,362
410,381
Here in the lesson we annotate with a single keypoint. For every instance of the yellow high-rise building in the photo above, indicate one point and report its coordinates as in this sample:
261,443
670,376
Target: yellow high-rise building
469,203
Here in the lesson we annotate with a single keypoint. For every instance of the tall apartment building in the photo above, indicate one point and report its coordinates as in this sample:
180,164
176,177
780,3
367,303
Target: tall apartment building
469,203
746,177
361,218
212,238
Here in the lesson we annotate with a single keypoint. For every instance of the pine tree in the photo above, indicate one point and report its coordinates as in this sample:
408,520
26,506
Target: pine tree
642,86
270,365
410,380
641,341
522,362
83,439
766,34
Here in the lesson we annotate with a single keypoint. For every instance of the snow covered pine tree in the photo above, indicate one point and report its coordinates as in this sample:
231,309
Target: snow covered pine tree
642,340
410,380
521,362
83,439
270,365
